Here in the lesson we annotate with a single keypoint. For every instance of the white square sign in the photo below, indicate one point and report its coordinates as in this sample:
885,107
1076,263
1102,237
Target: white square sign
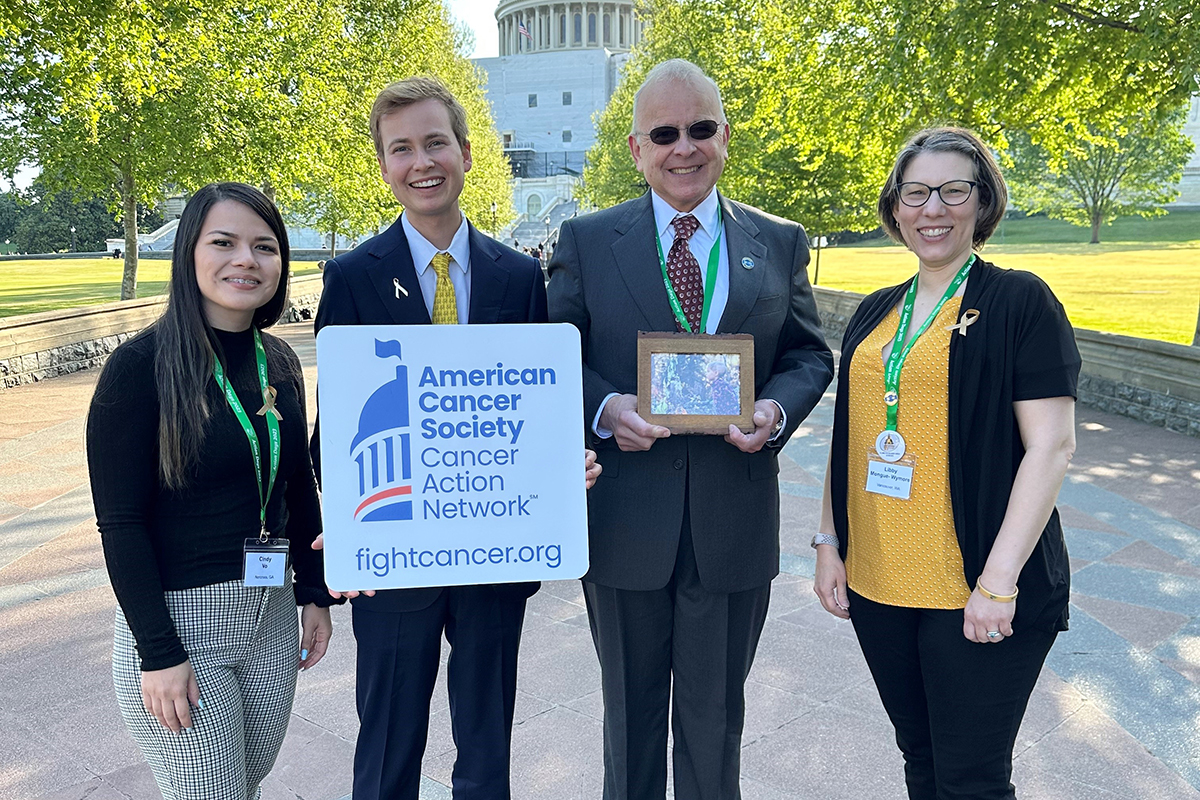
451,454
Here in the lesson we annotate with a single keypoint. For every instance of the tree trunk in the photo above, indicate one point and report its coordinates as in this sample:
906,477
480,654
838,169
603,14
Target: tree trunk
1096,220
333,244
269,190
817,268
1196,335
129,199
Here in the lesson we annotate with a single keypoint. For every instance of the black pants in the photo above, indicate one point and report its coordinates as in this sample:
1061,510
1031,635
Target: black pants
956,704
398,660
705,642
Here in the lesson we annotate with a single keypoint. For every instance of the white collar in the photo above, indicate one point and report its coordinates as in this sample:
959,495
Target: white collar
705,214
423,250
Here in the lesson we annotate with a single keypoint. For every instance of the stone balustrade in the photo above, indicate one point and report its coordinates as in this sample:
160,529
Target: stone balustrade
1155,382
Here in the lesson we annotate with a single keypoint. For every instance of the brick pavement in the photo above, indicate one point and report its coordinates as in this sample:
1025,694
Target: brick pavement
1115,715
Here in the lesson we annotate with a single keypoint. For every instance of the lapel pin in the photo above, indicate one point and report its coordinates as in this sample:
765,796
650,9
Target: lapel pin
968,318
748,263
399,288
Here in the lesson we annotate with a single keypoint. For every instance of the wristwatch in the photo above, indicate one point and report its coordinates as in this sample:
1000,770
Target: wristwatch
824,538
778,427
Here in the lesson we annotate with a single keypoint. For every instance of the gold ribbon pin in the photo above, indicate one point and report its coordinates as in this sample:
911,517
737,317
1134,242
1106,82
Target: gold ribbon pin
968,319
269,404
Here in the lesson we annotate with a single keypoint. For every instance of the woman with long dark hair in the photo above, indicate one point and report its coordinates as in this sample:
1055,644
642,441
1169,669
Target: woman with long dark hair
207,508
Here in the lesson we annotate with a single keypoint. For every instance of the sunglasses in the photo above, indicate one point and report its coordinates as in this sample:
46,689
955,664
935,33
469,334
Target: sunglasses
697,132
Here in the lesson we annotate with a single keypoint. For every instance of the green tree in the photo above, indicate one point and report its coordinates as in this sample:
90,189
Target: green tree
116,99
44,218
10,211
803,145
122,100
341,192
821,94
1129,169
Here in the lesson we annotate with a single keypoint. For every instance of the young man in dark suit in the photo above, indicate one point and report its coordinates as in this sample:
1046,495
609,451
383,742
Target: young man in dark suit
432,265
684,530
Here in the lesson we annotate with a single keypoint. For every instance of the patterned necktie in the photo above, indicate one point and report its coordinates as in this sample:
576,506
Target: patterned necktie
445,305
684,272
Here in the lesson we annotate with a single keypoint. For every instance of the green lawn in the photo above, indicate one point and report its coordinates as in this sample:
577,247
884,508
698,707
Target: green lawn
1146,290
1144,280
1177,226
36,285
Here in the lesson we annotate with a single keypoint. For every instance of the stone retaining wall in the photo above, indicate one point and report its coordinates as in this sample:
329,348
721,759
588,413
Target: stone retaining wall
38,346
1144,379
1155,382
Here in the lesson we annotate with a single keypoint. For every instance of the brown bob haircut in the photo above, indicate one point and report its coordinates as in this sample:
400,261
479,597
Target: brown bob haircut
413,90
993,194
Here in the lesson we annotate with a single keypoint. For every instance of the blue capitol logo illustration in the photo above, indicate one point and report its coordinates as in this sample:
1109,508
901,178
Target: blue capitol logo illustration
381,448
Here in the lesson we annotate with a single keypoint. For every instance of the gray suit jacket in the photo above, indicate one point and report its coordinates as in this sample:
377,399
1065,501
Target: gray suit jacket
605,279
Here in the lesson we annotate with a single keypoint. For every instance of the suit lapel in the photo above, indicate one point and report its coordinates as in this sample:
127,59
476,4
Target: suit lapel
395,265
637,261
489,280
741,243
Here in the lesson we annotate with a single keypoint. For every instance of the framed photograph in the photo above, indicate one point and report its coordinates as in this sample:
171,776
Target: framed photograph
693,383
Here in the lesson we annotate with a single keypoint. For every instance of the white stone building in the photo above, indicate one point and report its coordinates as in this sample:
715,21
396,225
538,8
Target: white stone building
558,66
1189,186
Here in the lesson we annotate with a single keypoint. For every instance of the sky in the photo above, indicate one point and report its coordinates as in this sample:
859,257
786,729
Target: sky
481,16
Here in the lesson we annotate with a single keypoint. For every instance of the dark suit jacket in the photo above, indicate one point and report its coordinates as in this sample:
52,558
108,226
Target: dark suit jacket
506,286
605,279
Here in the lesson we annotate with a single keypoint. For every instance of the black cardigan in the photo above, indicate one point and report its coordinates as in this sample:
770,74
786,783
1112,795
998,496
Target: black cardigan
1022,347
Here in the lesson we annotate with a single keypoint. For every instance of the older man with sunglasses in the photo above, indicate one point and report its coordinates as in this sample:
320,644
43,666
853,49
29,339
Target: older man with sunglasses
684,529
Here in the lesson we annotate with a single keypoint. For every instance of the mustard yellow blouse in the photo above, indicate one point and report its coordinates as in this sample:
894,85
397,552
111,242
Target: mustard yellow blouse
905,552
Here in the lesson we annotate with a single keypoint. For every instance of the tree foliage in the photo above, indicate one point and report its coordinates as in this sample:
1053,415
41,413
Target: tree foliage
129,99
1131,168
38,220
802,143
820,95
341,191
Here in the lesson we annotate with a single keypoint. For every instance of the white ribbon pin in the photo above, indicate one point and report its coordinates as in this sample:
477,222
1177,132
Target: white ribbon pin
399,288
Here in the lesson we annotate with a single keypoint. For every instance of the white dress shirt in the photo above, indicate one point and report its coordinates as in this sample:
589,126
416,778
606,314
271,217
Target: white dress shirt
460,266
701,245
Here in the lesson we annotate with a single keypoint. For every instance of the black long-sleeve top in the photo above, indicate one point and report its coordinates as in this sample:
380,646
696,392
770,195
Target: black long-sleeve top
1021,347
158,539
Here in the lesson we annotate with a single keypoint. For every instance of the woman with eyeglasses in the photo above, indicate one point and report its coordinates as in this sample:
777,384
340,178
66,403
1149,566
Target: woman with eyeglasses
953,428
197,443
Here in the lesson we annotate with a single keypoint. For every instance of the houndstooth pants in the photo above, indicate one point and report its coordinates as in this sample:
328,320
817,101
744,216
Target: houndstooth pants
243,644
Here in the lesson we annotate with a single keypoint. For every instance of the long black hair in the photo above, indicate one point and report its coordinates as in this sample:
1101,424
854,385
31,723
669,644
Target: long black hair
185,346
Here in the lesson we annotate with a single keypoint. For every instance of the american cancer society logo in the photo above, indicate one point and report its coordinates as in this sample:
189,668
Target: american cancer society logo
381,448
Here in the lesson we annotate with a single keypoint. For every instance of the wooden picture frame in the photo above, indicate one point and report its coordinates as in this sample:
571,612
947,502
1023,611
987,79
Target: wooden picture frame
689,383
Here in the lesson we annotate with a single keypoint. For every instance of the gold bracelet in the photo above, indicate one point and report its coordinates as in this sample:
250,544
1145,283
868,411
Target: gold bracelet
999,598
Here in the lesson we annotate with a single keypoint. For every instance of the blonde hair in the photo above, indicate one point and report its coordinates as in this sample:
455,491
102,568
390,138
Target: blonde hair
413,90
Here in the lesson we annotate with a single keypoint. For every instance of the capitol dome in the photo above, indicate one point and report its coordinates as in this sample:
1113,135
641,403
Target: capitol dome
385,410
567,26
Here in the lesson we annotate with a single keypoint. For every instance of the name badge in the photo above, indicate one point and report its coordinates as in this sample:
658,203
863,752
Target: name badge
890,478
265,563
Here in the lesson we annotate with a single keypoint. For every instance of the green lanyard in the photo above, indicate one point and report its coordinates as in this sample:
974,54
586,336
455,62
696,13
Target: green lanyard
260,355
714,257
895,362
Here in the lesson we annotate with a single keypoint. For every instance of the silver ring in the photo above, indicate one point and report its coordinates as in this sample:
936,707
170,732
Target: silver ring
993,634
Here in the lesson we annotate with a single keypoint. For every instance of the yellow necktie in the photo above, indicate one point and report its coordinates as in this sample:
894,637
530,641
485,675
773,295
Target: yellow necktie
445,305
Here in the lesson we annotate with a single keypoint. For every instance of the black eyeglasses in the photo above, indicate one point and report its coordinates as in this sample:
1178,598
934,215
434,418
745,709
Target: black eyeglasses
953,193
697,132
